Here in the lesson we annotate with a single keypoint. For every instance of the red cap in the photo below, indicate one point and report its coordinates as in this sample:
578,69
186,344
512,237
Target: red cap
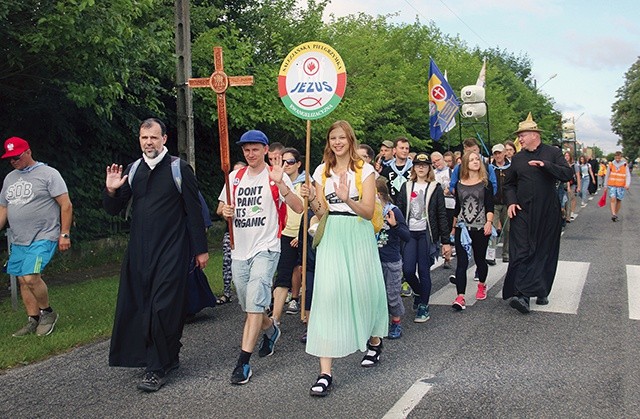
14,146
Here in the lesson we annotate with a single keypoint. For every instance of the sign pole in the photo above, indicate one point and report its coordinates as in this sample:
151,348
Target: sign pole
305,223
311,84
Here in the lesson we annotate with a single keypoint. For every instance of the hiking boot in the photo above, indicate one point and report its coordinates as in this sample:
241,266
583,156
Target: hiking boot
47,322
151,382
406,290
459,303
241,374
269,343
395,331
423,314
482,291
28,329
292,307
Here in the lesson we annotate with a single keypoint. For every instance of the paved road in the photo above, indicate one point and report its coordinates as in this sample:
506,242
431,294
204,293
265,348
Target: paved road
577,357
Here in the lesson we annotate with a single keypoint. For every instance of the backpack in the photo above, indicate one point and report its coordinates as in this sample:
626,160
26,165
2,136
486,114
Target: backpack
175,173
378,219
281,207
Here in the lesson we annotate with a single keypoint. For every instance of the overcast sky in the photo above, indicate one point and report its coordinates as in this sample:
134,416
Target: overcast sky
588,44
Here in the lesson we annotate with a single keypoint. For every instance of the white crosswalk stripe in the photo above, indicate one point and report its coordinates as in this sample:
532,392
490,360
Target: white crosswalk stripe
633,291
447,294
565,294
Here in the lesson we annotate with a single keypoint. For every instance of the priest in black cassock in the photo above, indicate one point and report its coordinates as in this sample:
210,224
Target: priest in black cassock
536,221
167,229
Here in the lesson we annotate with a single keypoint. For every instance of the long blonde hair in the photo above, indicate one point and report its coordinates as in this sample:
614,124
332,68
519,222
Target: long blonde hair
329,157
464,168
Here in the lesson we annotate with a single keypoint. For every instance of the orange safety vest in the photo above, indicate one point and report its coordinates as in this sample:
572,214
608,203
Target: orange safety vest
617,176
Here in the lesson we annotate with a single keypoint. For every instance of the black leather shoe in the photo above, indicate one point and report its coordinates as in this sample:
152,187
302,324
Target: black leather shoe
521,304
542,301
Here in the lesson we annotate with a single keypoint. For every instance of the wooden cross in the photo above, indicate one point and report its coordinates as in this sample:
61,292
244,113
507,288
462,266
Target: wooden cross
219,82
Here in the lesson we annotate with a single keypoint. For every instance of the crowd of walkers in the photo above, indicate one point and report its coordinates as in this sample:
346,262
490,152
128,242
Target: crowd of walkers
374,223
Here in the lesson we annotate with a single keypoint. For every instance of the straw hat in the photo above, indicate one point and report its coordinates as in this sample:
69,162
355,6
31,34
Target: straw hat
527,125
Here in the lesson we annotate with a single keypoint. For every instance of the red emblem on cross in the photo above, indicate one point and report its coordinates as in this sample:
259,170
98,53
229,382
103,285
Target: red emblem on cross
438,93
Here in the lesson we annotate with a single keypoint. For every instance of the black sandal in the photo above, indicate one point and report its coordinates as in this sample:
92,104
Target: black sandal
223,299
322,386
372,356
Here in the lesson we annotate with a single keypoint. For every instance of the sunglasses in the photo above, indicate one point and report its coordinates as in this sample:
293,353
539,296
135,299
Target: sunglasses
290,162
16,158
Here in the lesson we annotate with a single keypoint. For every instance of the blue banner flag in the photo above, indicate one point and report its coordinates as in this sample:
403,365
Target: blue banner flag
443,103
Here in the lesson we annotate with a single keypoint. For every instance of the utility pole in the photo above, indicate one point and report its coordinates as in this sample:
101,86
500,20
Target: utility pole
186,146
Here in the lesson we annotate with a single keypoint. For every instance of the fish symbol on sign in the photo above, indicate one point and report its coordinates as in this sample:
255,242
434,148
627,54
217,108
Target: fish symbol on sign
310,101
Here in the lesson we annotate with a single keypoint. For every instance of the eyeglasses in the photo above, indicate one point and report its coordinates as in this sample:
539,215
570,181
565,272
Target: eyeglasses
290,162
16,158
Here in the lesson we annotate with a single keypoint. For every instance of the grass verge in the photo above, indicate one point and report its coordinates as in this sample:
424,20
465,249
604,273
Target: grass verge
86,312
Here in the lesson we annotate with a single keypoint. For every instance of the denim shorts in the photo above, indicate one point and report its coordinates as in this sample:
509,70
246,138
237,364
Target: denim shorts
616,192
253,278
31,259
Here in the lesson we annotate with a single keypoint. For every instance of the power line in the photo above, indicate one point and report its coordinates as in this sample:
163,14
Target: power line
453,13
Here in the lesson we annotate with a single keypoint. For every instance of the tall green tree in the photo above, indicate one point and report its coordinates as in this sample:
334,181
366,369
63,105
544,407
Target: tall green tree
625,120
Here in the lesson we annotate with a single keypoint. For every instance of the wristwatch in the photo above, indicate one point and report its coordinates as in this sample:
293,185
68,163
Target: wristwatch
65,236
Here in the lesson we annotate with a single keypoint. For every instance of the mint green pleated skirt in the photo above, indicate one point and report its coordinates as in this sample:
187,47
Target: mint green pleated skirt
349,299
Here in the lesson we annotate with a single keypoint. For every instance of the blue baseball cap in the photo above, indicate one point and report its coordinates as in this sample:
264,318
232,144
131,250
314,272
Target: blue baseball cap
253,136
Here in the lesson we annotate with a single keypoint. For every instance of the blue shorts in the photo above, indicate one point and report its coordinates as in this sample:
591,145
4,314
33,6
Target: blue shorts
253,278
31,259
616,192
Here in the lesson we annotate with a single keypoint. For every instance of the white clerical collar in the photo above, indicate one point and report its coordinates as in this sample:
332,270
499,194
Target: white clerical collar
153,162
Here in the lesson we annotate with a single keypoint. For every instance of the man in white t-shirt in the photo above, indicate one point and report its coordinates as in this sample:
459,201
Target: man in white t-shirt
257,193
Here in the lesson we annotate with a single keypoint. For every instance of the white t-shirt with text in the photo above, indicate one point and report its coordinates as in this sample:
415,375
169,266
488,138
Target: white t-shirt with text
255,222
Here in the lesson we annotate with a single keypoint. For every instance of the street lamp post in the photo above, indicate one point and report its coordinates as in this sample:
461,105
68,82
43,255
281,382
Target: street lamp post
551,77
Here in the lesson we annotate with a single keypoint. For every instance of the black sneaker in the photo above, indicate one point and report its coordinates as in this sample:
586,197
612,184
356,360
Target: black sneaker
269,343
241,374
151,382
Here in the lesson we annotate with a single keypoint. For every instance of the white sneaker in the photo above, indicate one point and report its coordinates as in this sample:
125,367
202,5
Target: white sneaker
583,205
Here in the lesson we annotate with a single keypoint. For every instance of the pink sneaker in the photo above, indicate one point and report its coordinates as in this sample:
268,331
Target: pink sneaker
459,303
482,291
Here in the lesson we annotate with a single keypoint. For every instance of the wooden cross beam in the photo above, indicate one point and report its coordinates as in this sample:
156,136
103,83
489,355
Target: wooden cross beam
219,82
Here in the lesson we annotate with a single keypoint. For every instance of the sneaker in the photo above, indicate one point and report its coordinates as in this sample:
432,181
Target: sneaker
292,307
28,329
423,314
584,204
241,374
459,303
395,331
614,218
482,291
269,343
151,382
47,322
446,265
406,290
475,278
452,279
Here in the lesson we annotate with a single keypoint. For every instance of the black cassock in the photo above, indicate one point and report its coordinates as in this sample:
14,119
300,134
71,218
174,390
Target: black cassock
534,238
167,229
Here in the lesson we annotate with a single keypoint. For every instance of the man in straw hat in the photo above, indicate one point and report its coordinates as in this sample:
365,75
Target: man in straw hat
535,217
